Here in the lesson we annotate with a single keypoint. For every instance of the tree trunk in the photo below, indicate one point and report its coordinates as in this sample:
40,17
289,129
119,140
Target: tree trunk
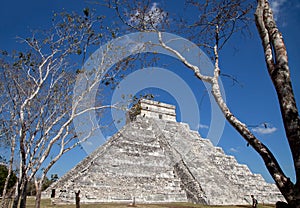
17,195
4,193
38,190
4,202
10,167
277,64
21,193
24,195
38,198
284,184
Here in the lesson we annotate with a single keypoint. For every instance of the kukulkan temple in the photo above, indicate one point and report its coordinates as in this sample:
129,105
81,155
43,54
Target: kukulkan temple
154,159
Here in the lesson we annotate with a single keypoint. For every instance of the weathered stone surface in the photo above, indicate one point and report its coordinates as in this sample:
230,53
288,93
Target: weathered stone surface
152,109
160,160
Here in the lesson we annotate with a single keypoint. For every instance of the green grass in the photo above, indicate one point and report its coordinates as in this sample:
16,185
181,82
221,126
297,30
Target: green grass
46,203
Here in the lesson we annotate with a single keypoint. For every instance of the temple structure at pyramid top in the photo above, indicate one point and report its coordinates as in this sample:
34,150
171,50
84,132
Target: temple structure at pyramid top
154,159
152,109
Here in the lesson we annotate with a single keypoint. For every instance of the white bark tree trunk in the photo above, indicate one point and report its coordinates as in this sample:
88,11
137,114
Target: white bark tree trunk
277,64
10,167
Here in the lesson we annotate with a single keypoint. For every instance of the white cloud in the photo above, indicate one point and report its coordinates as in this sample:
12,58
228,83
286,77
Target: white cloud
263,130
276,6
233,150
203,126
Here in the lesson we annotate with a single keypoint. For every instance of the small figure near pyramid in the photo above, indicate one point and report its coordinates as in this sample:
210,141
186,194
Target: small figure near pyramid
254,202
154,159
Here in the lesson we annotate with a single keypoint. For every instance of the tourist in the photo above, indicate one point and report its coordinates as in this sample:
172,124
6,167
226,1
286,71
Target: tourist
254,202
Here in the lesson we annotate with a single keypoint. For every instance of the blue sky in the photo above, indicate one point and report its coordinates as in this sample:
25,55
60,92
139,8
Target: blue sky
253,100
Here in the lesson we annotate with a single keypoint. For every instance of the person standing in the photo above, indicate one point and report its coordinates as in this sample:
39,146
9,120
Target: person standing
254,202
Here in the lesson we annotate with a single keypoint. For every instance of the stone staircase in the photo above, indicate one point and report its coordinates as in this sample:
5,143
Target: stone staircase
223,180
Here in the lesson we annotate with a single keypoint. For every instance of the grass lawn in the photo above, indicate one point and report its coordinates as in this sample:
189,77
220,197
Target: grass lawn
46,203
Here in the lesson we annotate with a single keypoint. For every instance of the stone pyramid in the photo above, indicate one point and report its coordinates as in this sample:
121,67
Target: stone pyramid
155,159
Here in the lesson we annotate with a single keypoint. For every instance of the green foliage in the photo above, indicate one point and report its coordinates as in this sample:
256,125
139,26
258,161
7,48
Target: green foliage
46,184
2,159
54,177
3,175
136,107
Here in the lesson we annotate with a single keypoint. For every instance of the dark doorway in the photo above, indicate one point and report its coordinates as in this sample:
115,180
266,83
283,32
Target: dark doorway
53,193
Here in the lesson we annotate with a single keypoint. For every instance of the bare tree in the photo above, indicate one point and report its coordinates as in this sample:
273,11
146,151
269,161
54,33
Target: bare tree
216,22
37,101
